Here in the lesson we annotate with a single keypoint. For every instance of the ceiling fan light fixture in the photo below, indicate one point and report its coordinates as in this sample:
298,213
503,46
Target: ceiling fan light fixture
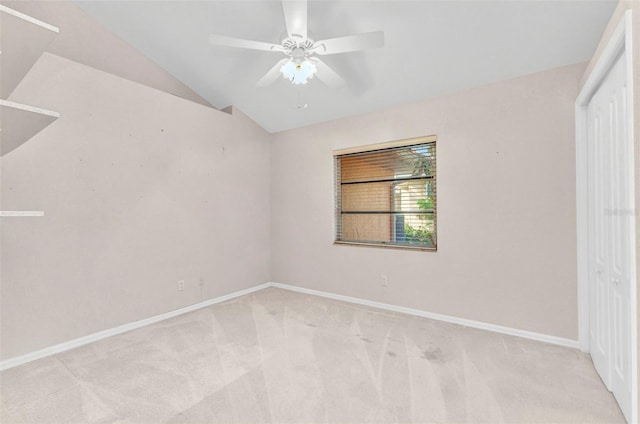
301,61
298,72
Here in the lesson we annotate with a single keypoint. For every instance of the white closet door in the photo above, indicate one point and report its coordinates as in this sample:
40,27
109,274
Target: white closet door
599,337
619,220
610,171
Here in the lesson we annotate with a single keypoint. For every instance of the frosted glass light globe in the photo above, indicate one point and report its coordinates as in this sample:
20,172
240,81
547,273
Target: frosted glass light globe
298,73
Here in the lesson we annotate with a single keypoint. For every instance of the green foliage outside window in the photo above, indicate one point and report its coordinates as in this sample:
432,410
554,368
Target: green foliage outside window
418,235
422,235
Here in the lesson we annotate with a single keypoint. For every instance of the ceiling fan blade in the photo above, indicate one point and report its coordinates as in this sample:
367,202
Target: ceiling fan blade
223,40
273,74
350,43
328,75
295,17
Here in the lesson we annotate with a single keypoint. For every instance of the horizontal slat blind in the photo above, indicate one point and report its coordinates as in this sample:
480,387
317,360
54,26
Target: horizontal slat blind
387,197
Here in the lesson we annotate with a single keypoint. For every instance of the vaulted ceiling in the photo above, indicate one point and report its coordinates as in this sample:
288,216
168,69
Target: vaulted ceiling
431,48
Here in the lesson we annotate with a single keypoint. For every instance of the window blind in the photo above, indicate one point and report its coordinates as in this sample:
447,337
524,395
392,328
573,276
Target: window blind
387,197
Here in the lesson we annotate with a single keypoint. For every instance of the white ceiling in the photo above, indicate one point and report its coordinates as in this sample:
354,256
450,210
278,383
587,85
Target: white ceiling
431,48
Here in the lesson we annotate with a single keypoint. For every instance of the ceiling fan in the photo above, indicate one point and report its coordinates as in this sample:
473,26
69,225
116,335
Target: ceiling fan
301,62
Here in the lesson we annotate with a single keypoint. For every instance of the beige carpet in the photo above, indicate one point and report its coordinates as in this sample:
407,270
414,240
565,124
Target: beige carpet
283,357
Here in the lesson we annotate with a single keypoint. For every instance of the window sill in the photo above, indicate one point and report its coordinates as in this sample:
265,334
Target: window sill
386,246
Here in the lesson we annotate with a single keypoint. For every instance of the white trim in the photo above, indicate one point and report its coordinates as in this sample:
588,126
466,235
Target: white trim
629,49
6,214
605,62
620,41
29,19
582,224
81,341
386,145
29,108
439,317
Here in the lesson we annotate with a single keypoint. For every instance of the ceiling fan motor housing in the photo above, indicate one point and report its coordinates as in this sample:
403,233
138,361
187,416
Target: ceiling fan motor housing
297,47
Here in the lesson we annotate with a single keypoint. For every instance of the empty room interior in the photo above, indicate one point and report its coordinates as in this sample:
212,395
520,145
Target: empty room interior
311,211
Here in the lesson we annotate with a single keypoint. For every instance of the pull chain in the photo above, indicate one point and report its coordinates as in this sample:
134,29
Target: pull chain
302,104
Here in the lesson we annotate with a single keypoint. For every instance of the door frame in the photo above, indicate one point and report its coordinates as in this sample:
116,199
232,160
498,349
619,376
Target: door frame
620,42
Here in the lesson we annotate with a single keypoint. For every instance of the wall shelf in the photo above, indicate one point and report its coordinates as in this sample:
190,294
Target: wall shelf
7,214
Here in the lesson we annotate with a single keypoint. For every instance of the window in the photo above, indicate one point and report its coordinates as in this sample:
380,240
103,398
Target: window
386,194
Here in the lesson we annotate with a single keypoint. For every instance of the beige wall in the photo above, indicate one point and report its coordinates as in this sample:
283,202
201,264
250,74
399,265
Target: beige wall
506,207
140,189
618,14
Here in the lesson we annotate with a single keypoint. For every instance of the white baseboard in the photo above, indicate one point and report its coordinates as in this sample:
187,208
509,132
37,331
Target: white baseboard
81,341
560,341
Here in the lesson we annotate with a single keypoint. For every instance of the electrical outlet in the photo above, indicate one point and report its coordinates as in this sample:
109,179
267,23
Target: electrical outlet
383,280
180,285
